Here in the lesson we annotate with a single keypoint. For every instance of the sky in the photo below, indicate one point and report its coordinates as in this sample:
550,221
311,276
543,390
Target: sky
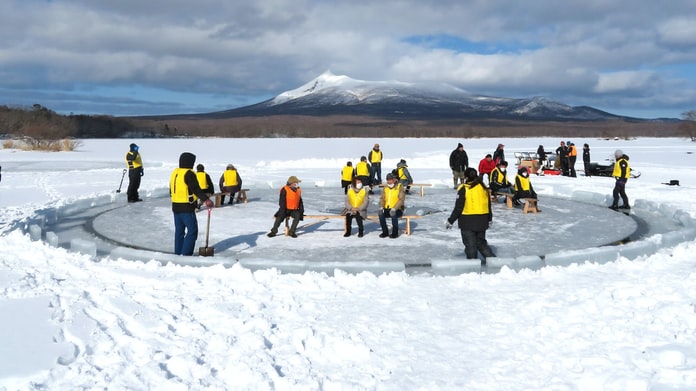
169,57
611,318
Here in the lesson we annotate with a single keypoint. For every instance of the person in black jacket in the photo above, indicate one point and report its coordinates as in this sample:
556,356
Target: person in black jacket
458,161
472,211
184,192
541,155
499,154
562,156
586,158
134,163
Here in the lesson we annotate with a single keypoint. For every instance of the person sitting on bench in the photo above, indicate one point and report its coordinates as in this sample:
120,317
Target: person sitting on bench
391,204
230,182
356,203
499,182
523,187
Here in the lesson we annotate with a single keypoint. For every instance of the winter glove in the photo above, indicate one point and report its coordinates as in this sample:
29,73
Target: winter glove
387,212
209,203
448,225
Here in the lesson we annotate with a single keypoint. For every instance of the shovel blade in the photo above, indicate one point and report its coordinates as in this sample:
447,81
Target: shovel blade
206,251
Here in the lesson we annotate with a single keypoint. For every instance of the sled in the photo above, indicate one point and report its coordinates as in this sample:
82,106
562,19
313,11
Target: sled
207,251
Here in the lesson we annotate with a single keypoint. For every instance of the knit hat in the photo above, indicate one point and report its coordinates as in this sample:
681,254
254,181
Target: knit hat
618,153
200,167
186,160
230,167
460,145
390,176
293,179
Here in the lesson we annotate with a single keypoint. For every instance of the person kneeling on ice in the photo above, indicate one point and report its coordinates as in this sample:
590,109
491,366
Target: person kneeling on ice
472,211
391,204
523,187
356,206
290,205
185,191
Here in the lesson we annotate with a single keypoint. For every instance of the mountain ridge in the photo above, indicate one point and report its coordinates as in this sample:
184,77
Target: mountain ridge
330,94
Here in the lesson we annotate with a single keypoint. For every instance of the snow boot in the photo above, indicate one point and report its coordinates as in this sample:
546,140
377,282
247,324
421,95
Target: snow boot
395,233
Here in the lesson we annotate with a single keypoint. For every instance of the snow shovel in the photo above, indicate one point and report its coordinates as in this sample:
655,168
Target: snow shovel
207,251
121,184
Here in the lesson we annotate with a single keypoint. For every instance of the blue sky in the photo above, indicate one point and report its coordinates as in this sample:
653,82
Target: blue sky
132,57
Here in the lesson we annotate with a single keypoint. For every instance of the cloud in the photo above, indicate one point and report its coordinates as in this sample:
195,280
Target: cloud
233,51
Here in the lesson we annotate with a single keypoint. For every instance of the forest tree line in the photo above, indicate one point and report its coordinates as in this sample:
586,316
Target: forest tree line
41,124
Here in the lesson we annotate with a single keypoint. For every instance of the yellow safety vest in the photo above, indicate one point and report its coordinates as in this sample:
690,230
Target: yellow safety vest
362,169
179,191
391,195
617,169
476,200
202,179
524,182
376,156
356,198
230,177
500,178
400,171
135,163
347,173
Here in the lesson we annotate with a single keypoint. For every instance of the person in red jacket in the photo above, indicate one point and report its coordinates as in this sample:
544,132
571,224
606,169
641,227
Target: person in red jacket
290,205
486,165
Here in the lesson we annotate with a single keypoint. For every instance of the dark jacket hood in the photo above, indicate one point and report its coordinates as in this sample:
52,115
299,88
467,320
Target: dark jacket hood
186,160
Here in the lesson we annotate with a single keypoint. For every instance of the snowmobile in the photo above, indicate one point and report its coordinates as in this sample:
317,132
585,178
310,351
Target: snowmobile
597,169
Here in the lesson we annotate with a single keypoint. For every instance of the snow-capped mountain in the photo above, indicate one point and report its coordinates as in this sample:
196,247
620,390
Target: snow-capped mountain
330,94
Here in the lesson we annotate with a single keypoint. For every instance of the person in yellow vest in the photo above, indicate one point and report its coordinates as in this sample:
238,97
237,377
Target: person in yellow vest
134,162
392,205
290,205
230,182
375,159
523,187
357,200
184,192
404,176
572,158
472,211
622,170
204,181
499,182
362,171
347,175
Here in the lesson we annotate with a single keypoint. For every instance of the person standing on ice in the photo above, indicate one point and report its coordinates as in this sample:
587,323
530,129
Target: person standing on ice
472,211
347,175
622,170
290,205
458,162
134,163
375,159
586,158
357,200
499,154
184,192
391,205
362,171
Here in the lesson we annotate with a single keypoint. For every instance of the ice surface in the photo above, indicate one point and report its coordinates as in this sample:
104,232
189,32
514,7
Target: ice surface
83,246
35,232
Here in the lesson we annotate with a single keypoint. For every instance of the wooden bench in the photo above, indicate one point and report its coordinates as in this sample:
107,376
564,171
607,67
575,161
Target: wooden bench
530,205
241,197
508,198
321,218
421,185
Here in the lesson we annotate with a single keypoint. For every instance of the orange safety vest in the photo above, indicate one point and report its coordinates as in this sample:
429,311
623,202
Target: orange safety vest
292,198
